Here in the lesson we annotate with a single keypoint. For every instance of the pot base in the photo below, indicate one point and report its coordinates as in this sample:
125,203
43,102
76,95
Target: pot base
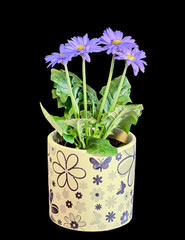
81,230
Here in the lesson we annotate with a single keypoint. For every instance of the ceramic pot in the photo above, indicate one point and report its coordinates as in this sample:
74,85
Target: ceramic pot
88,192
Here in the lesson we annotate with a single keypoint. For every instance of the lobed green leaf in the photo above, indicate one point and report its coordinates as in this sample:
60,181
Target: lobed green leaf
122,117
124,96
100,146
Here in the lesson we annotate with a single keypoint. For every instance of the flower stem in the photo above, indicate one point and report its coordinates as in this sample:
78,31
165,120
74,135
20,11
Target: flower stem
74,104
85,95
119,89
105,93
84,87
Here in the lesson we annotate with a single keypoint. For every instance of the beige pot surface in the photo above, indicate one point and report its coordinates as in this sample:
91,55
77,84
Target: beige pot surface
88,192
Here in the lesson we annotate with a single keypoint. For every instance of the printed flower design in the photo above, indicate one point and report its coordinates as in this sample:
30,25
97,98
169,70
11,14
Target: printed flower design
110,201
97,180
124,217
118,156
98,206
127,165
74,222
80,207
69,204
67,170
78,195
97,194
110,216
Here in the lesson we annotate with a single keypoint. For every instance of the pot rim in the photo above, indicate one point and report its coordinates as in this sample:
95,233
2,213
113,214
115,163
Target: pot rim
131,141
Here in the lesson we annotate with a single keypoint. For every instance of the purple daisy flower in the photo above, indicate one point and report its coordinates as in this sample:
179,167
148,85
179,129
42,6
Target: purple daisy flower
114,41
63,57
82,46
133,57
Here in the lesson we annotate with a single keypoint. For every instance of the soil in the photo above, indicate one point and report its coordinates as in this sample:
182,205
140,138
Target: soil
59,140
64,143
115,143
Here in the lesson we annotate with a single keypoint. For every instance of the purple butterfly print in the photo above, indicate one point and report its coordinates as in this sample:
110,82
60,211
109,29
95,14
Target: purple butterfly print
121,190
100,164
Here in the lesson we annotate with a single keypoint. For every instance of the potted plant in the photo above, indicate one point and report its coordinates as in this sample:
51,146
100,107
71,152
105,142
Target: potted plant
92,153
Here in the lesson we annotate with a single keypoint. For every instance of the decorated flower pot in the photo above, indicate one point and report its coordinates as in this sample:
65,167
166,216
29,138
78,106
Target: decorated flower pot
88,192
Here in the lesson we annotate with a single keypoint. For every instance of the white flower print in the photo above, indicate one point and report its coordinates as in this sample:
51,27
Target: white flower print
67,170
110,201
80,207
97,194
127,166
74,222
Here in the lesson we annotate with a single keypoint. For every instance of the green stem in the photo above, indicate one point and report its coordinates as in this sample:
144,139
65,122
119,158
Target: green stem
74,104
119,89
105,93
84,88
85,93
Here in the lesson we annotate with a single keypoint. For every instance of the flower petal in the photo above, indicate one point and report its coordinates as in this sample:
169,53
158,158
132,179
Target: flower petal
58,168
87,57
82,224
68,221
61,159
78,218
62,48
85,39
62,179
72,183
125,165
135,68
72,161
78,173
131,174
71,216
119,35
111,34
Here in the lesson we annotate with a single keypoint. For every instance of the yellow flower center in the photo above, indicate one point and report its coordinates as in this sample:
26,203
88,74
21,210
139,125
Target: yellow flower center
132,58
80,47
116,41
62,54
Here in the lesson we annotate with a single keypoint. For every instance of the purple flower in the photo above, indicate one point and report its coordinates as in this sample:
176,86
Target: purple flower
114,41
133,57
97,180
82,46
62,57
124,217
110,216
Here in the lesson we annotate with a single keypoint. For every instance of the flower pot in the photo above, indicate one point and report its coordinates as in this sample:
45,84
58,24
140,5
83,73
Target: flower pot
88,192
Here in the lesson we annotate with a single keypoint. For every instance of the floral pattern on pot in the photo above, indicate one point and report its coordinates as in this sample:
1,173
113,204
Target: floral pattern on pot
127,166
67,170
88,192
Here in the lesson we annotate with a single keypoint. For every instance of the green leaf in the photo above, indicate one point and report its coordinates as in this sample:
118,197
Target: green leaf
79,126
61,91
100,146
54,121
122,117
68,138
124,97
60,83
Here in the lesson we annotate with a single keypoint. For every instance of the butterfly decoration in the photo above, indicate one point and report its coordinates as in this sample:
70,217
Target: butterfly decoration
100,164
121,190
127,166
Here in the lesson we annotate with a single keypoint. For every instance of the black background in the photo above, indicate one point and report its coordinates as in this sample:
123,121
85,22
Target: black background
40,31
